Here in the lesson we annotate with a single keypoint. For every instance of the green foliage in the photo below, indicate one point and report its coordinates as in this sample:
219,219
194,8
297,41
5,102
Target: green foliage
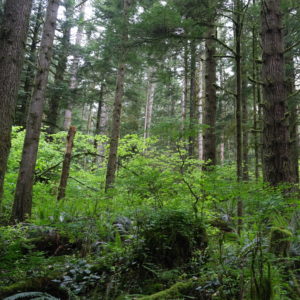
171,237
182,225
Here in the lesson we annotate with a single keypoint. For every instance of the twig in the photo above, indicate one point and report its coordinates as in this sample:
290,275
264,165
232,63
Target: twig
82,183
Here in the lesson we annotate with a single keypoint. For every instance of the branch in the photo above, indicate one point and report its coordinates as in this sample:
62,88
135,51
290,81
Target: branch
82,2
225,46
291,47
294,94
256,81
82,183
225,90
224,56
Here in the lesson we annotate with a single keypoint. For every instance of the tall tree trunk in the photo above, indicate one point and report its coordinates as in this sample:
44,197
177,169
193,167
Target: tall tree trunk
56,97
277,161
23,196
201,97
99,112
193,109
238,109
238,77
74,71
149,104
116,120
184,104
13,33
66,164
255,88
293,113
245,169
99,127
29,77
210,105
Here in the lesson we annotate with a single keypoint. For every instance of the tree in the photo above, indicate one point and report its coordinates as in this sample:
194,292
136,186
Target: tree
149,104
210,104
25,93
276,150
23,196
13,33
60,71
74,70
116,119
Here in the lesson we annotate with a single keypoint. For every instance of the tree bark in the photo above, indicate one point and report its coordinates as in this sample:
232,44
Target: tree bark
149,104
74,71
238,109
276,147
293,113
66,164
116,120
193,109
255,88
210,105
13,32
201,97
29,78
23,196
56,97
245,135
184,104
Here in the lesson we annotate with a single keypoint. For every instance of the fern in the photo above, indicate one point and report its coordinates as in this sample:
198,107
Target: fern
32,296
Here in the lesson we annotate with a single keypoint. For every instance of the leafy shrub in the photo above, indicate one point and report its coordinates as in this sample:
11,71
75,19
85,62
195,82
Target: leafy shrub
171,237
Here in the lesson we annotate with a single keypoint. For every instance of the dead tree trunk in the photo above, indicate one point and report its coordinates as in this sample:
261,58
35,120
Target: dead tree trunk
66,164
13,32
23,196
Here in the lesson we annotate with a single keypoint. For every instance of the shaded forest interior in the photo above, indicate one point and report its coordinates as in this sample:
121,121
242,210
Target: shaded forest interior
149,149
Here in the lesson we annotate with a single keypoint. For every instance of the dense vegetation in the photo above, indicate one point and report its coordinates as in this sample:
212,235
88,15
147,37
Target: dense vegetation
180,175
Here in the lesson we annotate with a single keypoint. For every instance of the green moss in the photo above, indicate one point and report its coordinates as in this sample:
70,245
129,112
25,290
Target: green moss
176,291
43,284
280,241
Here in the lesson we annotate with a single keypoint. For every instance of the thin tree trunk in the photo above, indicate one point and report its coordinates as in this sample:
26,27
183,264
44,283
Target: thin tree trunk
13,32
29,78
116,120
23,196
99,126
99,112
184,105
149,104
276,147
193,114
74,71
89,119
201,102
56,97
293,122
66,164
255,100
245,126
238,77
210,105
238,109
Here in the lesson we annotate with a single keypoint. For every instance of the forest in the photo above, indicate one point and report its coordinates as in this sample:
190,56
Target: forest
149,149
